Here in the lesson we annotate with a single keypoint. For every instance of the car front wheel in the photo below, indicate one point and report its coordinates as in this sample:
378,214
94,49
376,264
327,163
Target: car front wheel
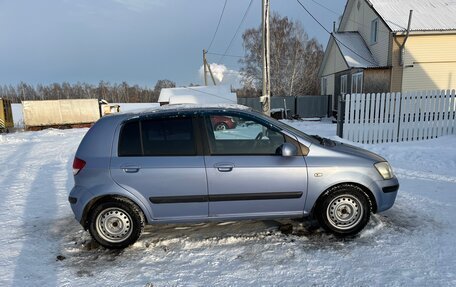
344,211
116,223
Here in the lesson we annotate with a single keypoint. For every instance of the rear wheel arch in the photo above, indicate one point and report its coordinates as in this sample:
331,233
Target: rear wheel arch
106,198
115,222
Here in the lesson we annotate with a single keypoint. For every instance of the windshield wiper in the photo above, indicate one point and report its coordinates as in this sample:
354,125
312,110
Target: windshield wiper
324,141
319,138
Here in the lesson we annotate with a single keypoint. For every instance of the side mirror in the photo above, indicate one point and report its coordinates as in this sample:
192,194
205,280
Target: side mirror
287,149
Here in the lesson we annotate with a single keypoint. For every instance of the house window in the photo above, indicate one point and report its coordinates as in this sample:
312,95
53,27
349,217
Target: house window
374,31
343,85
324,86
357,83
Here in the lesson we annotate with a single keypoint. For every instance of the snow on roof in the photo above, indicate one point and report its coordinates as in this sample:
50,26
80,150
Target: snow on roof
355,50
428,15
198,95
180,107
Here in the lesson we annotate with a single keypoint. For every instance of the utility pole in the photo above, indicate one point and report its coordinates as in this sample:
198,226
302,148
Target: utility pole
206,67
266,97
401,48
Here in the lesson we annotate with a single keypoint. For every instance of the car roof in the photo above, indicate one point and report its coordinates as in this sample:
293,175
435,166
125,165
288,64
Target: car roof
181,108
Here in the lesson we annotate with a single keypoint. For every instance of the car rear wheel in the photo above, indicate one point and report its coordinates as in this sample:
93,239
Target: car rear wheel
116,223
345,210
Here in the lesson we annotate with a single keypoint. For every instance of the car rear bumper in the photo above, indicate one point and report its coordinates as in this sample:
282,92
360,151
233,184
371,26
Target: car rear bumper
78,199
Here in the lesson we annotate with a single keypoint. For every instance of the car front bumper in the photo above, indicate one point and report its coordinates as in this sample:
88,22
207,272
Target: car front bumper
385,192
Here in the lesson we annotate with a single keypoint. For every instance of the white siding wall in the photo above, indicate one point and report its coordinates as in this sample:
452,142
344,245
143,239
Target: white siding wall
330,84
360,20
335,62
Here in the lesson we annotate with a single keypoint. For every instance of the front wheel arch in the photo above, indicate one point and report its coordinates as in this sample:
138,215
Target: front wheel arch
367,192
343,209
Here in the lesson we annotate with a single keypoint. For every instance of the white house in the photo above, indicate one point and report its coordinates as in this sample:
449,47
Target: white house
370,51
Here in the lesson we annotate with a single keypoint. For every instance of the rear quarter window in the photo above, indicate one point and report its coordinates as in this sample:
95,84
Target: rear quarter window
130,140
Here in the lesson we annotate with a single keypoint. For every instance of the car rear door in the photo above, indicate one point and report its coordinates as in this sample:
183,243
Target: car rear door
246,178
161,160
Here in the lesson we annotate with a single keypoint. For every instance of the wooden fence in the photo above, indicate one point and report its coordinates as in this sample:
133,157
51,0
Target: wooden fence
395,117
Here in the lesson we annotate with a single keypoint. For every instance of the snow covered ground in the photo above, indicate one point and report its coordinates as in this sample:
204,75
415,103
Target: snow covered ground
413,244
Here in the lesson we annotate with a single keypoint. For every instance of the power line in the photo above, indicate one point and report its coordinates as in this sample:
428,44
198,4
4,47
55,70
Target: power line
332,35
225,55
350,20
323,6
218,25
237,31
217,96
244,57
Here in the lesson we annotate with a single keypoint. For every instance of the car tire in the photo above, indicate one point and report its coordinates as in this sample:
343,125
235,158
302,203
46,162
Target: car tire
344,210
116,223
220,127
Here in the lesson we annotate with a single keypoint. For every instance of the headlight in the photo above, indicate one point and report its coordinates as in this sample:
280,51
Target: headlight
384,169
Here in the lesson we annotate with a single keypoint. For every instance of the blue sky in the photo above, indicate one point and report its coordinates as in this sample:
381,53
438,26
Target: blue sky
138,41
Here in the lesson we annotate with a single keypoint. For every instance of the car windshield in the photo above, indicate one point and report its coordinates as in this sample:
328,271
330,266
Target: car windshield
289,128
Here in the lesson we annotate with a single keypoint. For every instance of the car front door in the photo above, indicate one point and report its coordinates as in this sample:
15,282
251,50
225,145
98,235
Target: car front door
161,159
246,176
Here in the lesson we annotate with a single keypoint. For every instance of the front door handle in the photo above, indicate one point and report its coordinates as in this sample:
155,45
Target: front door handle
130,168
224,167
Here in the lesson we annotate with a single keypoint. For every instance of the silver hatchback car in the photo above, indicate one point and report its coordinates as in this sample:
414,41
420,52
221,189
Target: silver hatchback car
172,165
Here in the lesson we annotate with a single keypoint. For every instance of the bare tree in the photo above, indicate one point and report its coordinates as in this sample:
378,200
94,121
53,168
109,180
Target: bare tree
163,84
294,58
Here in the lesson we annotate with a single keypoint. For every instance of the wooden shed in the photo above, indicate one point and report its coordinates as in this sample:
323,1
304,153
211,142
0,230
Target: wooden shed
6,115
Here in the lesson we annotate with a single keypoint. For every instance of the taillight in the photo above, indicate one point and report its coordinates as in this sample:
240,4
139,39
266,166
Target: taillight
78,164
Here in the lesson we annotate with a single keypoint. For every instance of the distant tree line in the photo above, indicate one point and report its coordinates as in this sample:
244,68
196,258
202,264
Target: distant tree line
114,93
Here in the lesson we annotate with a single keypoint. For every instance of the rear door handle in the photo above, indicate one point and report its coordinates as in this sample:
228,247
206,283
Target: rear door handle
130,168
224,167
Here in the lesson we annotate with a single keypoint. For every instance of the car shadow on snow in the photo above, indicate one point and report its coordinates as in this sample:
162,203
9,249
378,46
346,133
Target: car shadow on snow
194,236
34,255
84,254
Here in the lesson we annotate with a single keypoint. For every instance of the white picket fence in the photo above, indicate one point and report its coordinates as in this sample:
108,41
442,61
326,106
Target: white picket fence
394,117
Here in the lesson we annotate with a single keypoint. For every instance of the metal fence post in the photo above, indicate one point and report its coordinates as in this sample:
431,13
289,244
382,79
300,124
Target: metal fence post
340,116
329,113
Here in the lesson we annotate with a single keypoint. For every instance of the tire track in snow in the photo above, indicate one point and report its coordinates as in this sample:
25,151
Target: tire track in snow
413,174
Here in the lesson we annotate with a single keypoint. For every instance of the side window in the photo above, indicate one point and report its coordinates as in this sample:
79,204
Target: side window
374,31
343,84
129,140
324,86
357,83
168,137
234,135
